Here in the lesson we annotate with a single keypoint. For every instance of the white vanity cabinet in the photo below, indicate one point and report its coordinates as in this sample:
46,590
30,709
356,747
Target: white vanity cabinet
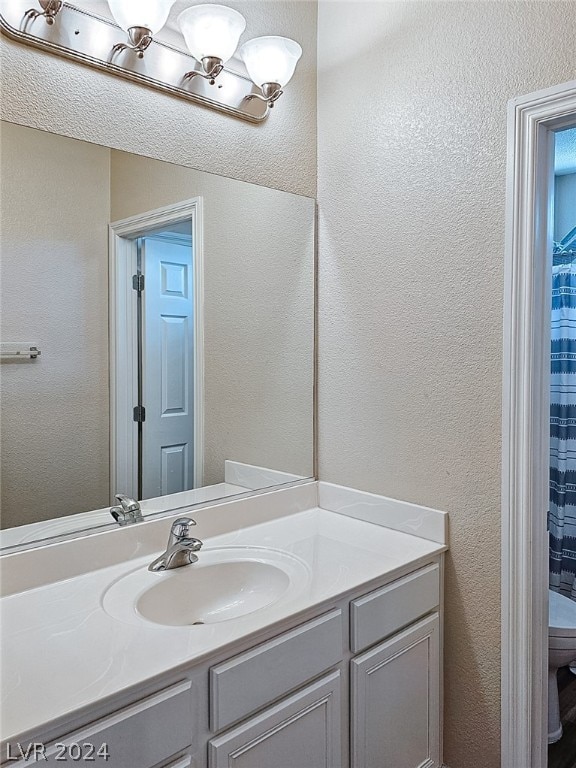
355,686
395,684
381,693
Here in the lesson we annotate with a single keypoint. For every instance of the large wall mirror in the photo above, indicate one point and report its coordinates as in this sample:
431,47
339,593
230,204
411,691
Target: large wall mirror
173,311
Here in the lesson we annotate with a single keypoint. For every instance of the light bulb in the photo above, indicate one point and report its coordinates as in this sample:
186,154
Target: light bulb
147,14
211,31
270,59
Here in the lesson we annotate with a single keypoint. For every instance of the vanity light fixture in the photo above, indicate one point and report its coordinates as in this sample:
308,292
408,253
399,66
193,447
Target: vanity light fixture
50,9
141,19
211,33
270,62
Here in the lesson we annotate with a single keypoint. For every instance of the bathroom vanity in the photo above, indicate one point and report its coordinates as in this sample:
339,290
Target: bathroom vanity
322,650
172,315
309,632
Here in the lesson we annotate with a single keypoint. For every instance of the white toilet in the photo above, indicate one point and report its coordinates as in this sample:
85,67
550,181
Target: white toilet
561,652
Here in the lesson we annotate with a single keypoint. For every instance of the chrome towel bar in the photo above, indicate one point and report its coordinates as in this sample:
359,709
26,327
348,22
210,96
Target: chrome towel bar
14,351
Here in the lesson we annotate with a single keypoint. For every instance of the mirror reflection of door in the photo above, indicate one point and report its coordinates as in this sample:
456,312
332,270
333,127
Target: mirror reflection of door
166,346
69,439
157,352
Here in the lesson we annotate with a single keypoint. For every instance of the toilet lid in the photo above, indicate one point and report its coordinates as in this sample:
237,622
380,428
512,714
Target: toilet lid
562,615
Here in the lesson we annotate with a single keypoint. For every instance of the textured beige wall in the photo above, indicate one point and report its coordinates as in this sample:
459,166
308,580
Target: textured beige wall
48,92
412,146
259,309
54,204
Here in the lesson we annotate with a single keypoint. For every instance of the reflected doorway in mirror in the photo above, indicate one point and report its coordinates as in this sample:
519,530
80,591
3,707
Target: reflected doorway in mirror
258,401
157,359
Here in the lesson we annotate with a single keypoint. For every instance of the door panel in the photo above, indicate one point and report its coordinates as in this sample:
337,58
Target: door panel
168,366
174,279
174,467
175,364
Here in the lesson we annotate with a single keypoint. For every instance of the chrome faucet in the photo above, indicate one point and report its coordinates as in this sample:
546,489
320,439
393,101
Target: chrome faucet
181,547
128,511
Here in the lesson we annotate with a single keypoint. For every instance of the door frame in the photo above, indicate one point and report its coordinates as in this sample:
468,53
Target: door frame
122,315
532,120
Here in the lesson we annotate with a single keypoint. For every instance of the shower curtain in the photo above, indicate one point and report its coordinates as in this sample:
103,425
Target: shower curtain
562,514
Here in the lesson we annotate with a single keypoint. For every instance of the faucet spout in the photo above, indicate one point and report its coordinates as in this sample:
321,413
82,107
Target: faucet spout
128,511
181,547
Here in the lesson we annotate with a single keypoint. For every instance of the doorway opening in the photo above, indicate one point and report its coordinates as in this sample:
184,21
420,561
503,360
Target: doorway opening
533,122
157,347
562,459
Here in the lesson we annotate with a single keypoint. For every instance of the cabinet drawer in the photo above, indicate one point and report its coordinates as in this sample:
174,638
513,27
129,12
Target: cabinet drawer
255,678
383,612
138,736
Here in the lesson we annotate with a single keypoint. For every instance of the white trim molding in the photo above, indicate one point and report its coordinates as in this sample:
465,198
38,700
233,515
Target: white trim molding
123,365
123,368
532,121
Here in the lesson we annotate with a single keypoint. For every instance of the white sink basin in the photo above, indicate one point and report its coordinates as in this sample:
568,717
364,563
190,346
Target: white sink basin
224,584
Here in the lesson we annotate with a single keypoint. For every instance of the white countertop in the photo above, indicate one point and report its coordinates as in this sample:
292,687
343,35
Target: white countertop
61,651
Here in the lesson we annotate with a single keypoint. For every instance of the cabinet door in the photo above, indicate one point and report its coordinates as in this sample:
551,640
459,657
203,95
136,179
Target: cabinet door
302,731
396,701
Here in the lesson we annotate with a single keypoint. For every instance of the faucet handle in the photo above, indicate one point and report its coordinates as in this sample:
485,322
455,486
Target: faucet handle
130,505
181,527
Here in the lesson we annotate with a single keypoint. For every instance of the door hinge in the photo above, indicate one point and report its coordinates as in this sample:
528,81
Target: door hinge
139,413
138,282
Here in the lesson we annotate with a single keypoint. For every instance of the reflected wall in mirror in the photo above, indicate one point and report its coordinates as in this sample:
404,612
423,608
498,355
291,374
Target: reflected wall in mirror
195,379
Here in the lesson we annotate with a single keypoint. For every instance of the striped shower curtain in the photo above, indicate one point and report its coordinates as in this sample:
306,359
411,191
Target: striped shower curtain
562,514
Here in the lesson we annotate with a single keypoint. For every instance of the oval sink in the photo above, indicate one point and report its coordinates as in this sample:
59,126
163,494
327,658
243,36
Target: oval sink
224,584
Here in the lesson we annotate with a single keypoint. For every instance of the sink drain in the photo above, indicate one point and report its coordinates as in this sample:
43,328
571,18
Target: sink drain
195,623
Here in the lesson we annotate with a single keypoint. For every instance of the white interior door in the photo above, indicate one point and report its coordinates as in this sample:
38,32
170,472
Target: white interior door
167,365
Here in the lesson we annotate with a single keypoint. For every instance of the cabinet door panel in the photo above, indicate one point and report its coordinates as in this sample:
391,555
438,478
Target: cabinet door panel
395,701
302,731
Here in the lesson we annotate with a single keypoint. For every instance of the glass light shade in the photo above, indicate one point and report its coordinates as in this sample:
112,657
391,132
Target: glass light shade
141,13
270,59
211,30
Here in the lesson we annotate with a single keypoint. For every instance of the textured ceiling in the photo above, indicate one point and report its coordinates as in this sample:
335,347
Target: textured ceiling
565,152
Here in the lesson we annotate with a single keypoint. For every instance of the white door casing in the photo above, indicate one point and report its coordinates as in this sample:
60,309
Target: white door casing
532,120
123,330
